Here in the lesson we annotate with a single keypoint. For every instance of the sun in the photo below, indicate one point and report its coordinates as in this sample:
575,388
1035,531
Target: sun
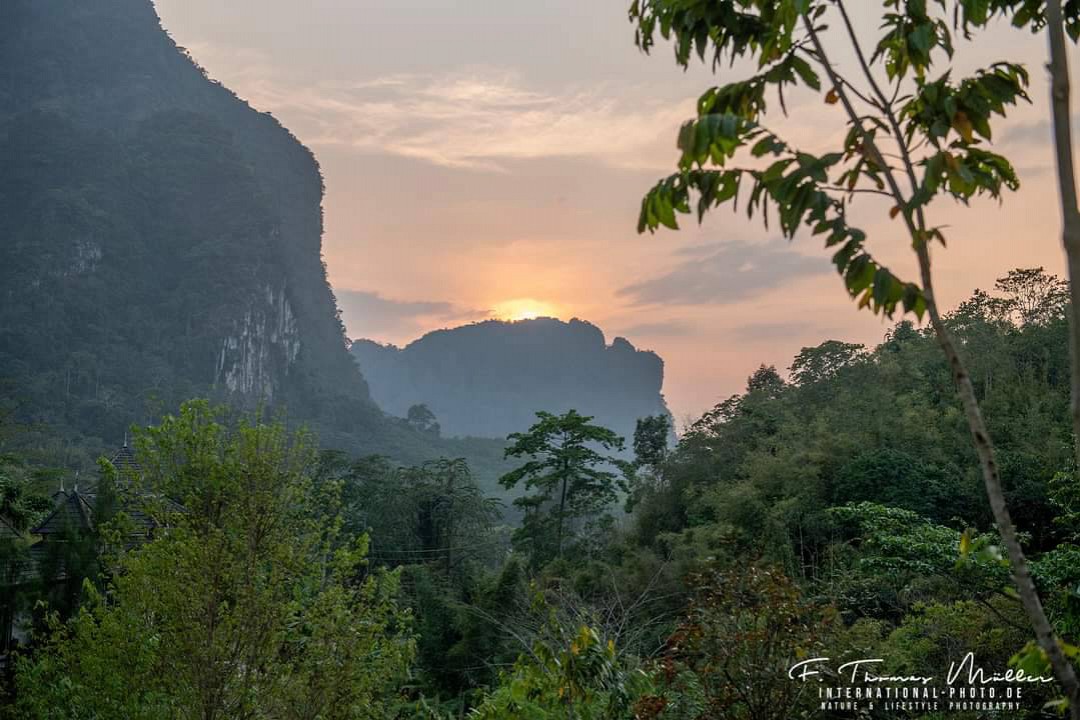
523,309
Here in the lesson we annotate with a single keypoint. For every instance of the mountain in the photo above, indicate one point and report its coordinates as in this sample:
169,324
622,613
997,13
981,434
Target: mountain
161,240
489,378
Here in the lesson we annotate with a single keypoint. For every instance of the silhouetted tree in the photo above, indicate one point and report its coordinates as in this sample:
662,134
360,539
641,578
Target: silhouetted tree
566,472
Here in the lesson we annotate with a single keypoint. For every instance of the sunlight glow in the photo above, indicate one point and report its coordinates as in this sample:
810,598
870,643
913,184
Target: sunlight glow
523,309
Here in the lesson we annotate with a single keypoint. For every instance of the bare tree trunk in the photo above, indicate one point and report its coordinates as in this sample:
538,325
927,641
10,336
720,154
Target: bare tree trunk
1070,215
562,508
984,447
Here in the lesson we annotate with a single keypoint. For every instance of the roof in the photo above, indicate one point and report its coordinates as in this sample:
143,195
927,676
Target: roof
75,508
144,522
74,511
124,460
7,530
21,568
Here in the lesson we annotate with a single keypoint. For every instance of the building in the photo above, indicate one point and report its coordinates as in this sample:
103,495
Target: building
48,554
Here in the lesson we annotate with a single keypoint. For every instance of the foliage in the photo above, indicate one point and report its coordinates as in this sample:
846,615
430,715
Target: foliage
763,467
820,363
251,604
934,635
567,674
644,474
432,513
730,657
1032,296
1058,575
944,114
22,503
900,557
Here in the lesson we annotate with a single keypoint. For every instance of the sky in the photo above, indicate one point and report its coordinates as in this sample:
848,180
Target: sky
487,159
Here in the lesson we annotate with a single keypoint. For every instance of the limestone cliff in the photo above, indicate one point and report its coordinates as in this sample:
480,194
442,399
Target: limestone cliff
489,378
161,238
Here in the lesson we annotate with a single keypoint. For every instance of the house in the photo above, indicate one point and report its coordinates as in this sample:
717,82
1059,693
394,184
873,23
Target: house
44,554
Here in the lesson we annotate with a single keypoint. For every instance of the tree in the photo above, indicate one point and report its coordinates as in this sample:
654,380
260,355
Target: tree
651,440
824,361
565,470
765,380
569,673
650,450
422,419
1032,296
907,141
421,514
251,604
451,513
20,504
895,478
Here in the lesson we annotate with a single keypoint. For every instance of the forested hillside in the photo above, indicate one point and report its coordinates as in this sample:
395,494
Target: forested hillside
489,377
834,512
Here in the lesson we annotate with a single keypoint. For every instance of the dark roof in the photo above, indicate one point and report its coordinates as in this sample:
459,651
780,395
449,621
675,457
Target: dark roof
75,508
73,511
123,459
21,568
7,530
144,522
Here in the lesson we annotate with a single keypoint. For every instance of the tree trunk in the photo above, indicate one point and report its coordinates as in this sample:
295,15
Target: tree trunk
450,524
562,506
1070,232
1070,216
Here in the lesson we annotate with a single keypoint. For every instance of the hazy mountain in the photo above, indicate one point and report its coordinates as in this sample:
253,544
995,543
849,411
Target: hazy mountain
488,378
161,240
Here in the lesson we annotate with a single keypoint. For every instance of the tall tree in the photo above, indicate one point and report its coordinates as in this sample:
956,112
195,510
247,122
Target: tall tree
1033,296
824,361
422,419
567,472
421,514
450,511
650,451
651,440
909,139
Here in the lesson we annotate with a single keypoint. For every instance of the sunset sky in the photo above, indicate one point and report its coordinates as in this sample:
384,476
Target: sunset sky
487,159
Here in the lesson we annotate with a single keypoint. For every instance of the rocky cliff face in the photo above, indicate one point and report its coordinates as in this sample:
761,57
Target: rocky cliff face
161,238
262,349
488,379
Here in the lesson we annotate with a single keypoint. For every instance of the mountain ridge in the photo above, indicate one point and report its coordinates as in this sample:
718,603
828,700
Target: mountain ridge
487,378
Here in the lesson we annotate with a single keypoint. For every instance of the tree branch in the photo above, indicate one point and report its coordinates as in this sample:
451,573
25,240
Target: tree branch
984,447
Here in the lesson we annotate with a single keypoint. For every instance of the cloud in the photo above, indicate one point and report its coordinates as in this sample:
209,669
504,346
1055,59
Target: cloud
667,328
1037,133
768,332
469,119
369,315
725,273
